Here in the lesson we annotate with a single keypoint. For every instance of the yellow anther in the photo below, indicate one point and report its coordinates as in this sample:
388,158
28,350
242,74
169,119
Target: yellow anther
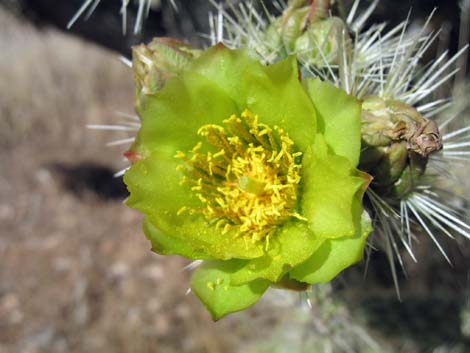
235,140
197,147
220,223
180,155
299,217
264,132
182,210
220,153
226,228
221,202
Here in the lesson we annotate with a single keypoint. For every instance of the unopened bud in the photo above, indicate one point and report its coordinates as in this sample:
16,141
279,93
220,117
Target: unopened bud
155,63
294,24
422,135
305,29
396,143
320,42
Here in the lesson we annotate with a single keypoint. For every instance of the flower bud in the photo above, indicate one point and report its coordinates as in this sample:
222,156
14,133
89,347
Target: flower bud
157,62
396,143
320,42
306,30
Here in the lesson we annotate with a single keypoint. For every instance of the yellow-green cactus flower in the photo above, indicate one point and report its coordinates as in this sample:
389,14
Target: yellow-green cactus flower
253,171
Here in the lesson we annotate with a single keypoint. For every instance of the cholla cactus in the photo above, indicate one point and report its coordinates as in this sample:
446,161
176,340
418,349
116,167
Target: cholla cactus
406,142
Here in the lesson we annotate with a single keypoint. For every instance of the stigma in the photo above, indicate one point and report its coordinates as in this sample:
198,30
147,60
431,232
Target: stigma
246,175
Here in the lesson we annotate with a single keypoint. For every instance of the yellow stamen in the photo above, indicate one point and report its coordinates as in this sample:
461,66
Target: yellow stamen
250,179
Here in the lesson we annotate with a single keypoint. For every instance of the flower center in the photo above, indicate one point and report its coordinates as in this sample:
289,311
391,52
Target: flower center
246,176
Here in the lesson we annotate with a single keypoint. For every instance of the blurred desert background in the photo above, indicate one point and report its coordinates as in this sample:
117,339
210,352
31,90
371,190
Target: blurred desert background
77,274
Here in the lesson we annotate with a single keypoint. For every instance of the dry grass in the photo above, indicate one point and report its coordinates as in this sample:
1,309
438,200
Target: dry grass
51,84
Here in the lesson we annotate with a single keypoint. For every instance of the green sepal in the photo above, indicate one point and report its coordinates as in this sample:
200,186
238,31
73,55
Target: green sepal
333,256
338,118
211,284
155,63
331,192
291,245
293,26
319,44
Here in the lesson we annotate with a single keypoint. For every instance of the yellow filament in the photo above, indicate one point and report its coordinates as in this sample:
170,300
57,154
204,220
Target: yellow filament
249,182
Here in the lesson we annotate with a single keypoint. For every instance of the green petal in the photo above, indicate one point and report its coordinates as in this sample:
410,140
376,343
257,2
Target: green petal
173,116
165,244
338,118
206,238
273,92
211,284
291,245
330,187
155,190
154,186
226,69
333,256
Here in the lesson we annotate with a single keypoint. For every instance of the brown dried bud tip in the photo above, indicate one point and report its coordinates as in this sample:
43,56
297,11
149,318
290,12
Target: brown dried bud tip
155,63
426,139
396,122
396,143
